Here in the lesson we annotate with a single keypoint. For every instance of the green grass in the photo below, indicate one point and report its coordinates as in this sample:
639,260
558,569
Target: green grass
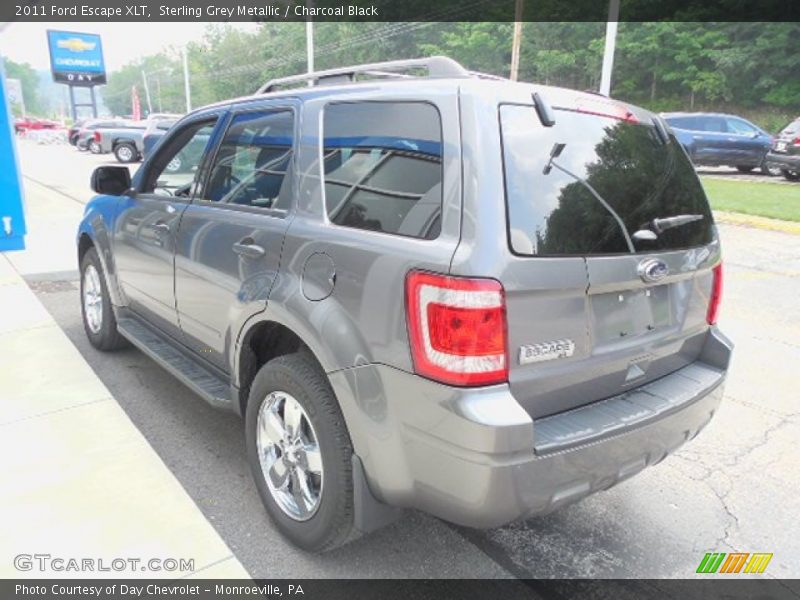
772,200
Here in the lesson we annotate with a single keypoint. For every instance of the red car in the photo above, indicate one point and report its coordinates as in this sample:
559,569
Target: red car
30,123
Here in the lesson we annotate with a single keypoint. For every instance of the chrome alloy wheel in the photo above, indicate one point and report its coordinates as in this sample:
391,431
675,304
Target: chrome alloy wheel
125,153
92,299
290,457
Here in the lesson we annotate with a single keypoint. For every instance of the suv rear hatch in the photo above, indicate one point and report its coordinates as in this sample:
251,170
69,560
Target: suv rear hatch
614,246
788,140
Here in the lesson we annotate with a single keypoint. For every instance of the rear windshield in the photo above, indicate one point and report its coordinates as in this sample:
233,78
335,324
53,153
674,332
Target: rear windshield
607,171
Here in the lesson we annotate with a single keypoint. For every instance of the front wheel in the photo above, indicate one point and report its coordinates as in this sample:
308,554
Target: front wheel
125,152
99,322
790,175
300,453
174,165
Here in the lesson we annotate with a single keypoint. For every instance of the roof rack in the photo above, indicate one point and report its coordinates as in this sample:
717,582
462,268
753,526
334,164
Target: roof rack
437,66
481,75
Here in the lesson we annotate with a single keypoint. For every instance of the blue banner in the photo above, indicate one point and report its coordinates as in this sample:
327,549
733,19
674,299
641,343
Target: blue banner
76,58
12,214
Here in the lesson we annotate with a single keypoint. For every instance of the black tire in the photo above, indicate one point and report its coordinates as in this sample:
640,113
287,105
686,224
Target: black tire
94,147
790,175
107,338
332,523
769,171
125,152
744,169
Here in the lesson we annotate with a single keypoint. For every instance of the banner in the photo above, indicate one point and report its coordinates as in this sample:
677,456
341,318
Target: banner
135,104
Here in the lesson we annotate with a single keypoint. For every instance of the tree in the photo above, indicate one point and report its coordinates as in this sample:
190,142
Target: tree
30,84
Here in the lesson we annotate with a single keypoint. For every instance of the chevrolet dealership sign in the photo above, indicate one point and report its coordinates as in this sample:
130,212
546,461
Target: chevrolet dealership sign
76,58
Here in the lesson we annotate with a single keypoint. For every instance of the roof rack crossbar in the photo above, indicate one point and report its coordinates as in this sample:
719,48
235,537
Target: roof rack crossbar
437,66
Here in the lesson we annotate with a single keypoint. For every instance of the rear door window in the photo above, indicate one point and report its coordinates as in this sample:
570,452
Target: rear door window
553,207
740,127
252,162
689,123
382,165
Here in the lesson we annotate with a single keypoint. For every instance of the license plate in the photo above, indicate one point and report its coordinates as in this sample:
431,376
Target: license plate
780,147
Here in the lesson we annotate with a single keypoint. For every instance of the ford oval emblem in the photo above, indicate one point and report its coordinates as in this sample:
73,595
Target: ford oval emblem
652,270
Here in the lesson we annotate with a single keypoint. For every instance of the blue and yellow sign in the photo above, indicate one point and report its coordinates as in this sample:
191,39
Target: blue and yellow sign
76,58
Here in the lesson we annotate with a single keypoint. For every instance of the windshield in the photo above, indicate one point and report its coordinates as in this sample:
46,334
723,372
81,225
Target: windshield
588,184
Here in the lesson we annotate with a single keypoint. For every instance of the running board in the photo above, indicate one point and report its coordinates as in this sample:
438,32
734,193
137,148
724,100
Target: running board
197,377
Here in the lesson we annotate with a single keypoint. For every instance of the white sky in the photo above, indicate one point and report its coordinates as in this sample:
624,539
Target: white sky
122,42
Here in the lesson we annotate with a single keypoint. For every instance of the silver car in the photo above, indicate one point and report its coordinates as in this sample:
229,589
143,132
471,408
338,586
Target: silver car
477,298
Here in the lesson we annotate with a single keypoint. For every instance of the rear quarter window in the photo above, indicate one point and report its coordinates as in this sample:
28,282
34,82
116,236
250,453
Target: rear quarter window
382,167
554,211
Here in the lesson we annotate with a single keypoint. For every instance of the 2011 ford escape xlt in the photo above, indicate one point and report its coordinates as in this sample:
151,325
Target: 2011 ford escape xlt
421,287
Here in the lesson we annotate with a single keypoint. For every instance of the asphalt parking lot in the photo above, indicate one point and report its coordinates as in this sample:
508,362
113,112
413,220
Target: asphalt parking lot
734,488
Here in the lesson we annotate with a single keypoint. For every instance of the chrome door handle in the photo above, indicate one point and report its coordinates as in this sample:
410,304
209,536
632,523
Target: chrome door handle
161,227
249,249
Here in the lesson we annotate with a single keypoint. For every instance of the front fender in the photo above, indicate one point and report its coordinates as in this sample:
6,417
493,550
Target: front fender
98,224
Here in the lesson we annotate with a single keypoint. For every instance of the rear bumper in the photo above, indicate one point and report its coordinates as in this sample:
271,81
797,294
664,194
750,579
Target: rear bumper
784,161
475,457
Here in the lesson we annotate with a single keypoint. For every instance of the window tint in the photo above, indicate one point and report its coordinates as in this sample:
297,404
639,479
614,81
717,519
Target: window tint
383,167
713,124
740,127
552,207
251,165
689,123
174,167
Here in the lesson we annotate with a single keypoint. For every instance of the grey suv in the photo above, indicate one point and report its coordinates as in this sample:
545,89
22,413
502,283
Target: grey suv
421,288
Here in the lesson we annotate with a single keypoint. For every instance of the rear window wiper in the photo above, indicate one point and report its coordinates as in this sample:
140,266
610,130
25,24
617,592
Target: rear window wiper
556,151
661,224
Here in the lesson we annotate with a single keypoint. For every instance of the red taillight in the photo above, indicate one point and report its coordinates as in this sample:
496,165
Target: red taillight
457,328
96,136
716,295
796,141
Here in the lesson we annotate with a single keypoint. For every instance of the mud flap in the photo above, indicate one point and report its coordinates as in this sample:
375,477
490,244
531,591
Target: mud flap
370,514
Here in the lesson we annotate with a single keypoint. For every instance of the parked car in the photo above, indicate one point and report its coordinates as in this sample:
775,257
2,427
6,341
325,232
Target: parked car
25,124
124,142
478,298
155,130
720,140
127,143
74,131
85,139
785,152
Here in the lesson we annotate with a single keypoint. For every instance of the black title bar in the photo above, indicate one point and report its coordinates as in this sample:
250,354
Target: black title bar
394,10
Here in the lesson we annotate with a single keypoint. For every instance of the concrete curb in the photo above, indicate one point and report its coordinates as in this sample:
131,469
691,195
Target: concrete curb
765,223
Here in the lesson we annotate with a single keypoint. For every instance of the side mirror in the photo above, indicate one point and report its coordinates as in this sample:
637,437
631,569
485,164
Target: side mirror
111,180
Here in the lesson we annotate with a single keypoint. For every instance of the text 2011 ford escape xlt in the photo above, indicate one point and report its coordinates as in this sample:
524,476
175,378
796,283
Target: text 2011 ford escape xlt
448,292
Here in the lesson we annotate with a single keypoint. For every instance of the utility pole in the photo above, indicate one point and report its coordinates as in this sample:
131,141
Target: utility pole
611,43
187,91
158,93
515,44
147,93
310,47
